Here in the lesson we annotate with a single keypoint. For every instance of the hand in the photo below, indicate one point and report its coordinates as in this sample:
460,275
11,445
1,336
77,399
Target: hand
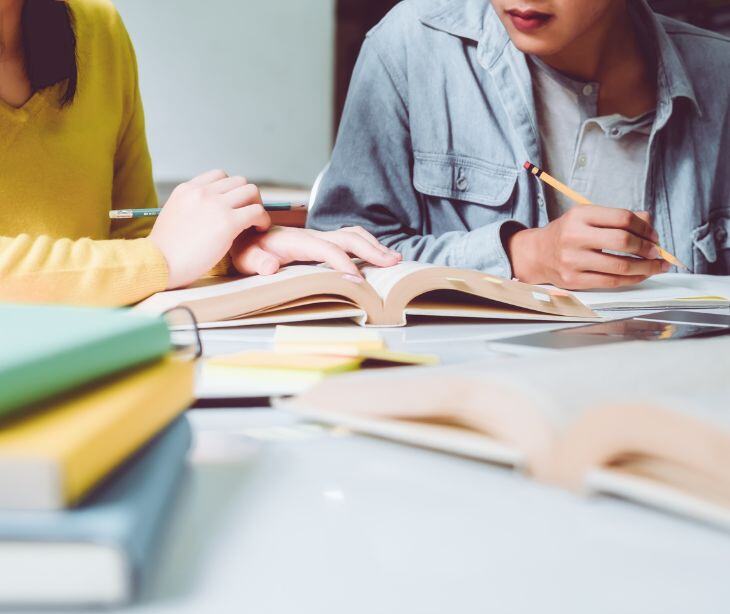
200,221
568,252
264,254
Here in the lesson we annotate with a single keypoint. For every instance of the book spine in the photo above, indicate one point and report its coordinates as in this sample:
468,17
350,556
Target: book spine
164,480
165,391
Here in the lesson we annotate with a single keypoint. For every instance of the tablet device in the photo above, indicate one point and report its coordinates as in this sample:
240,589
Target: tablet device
660,326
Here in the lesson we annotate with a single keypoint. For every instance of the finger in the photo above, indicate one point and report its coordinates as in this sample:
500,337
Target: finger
354,244
208,177
252,260
597,262
222,186
620,241
606,217
594,281
367,236
251,216
315,249
646,216
242,196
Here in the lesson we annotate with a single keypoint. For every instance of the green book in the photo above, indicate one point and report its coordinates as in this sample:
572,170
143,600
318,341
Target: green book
45,351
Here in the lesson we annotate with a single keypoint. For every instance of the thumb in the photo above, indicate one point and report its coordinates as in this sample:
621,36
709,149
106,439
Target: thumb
253,260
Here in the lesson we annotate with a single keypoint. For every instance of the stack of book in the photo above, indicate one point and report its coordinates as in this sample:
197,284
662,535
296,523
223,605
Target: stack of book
92,447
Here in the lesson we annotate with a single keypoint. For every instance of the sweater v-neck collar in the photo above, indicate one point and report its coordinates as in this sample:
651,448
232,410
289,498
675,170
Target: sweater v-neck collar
29,109
14,119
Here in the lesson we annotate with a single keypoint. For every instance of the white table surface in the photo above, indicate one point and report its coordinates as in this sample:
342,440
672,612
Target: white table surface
278,516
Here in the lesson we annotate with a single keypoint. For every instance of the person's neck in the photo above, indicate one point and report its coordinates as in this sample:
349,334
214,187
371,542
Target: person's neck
597,51
610,54
11,39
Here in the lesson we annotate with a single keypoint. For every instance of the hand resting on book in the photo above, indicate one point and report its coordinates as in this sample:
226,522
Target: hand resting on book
265,253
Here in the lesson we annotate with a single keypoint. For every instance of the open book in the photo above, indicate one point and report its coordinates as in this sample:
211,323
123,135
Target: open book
389,296
646,422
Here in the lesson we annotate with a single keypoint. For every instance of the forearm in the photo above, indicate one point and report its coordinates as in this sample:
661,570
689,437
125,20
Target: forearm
82,272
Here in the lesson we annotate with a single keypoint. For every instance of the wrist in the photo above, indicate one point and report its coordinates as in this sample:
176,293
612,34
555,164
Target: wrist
524,255
173,280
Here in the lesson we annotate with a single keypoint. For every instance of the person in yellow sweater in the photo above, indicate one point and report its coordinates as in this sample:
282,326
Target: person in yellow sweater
73,147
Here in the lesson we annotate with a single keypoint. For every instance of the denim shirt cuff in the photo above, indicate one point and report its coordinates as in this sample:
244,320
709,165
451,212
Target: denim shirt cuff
483,249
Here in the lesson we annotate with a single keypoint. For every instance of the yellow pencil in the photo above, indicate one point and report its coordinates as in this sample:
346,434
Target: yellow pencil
582,200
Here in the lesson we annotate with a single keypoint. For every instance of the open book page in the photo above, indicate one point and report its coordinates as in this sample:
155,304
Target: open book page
384,280
292,313
213,287
663,291
413,288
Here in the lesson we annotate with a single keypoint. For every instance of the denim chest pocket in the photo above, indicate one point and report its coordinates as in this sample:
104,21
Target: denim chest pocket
464,179
711,243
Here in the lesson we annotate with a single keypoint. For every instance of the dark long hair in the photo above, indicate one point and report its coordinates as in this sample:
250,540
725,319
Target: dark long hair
49,44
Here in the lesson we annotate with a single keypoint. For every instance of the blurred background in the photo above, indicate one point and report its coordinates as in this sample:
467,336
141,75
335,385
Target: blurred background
257,88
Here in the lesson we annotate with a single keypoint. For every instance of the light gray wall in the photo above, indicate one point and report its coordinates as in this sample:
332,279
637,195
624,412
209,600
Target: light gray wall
245,85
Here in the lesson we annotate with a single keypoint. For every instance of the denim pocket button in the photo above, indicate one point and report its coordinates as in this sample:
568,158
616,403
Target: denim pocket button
461,181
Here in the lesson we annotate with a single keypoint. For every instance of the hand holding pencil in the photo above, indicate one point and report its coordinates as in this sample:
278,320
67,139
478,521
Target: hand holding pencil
569,252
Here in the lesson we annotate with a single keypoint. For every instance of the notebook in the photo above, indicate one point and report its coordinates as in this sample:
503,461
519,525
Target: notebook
666,291
647,422
388,298
99,553
52,457
48,350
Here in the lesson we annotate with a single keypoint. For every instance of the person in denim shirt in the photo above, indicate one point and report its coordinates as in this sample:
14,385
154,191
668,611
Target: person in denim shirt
443,112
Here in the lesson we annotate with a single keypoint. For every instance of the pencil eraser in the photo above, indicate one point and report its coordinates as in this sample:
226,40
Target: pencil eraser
528,166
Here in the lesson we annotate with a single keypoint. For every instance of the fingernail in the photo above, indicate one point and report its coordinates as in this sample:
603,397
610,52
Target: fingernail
654,253
353,278
666,266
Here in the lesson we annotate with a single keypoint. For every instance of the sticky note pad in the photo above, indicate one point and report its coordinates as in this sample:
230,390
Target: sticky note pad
282,361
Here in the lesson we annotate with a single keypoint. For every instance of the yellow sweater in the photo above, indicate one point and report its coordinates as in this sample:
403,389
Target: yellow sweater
63,168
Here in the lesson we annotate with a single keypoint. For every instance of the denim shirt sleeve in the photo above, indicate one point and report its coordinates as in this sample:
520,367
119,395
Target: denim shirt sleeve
370,183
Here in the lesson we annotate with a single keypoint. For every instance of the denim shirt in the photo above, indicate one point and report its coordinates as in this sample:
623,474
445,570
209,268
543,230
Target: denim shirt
441,117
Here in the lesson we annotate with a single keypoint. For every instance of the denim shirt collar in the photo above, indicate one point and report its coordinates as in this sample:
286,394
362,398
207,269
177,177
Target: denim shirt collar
476,20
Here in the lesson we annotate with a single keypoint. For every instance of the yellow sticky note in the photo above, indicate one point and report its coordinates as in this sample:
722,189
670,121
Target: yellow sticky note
282,361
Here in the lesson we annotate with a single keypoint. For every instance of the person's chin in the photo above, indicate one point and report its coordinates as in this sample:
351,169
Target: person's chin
534,44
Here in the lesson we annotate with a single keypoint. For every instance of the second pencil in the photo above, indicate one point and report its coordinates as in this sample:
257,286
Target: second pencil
132,214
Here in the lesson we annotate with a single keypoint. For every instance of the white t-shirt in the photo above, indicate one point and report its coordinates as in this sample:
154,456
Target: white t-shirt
603,158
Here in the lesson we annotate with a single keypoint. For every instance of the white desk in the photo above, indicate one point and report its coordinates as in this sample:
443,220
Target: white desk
309,522
278,517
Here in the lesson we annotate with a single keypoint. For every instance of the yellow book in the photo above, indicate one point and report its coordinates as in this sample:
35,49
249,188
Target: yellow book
51,458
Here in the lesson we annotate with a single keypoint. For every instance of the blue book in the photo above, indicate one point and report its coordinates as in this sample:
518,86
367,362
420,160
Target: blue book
97,553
